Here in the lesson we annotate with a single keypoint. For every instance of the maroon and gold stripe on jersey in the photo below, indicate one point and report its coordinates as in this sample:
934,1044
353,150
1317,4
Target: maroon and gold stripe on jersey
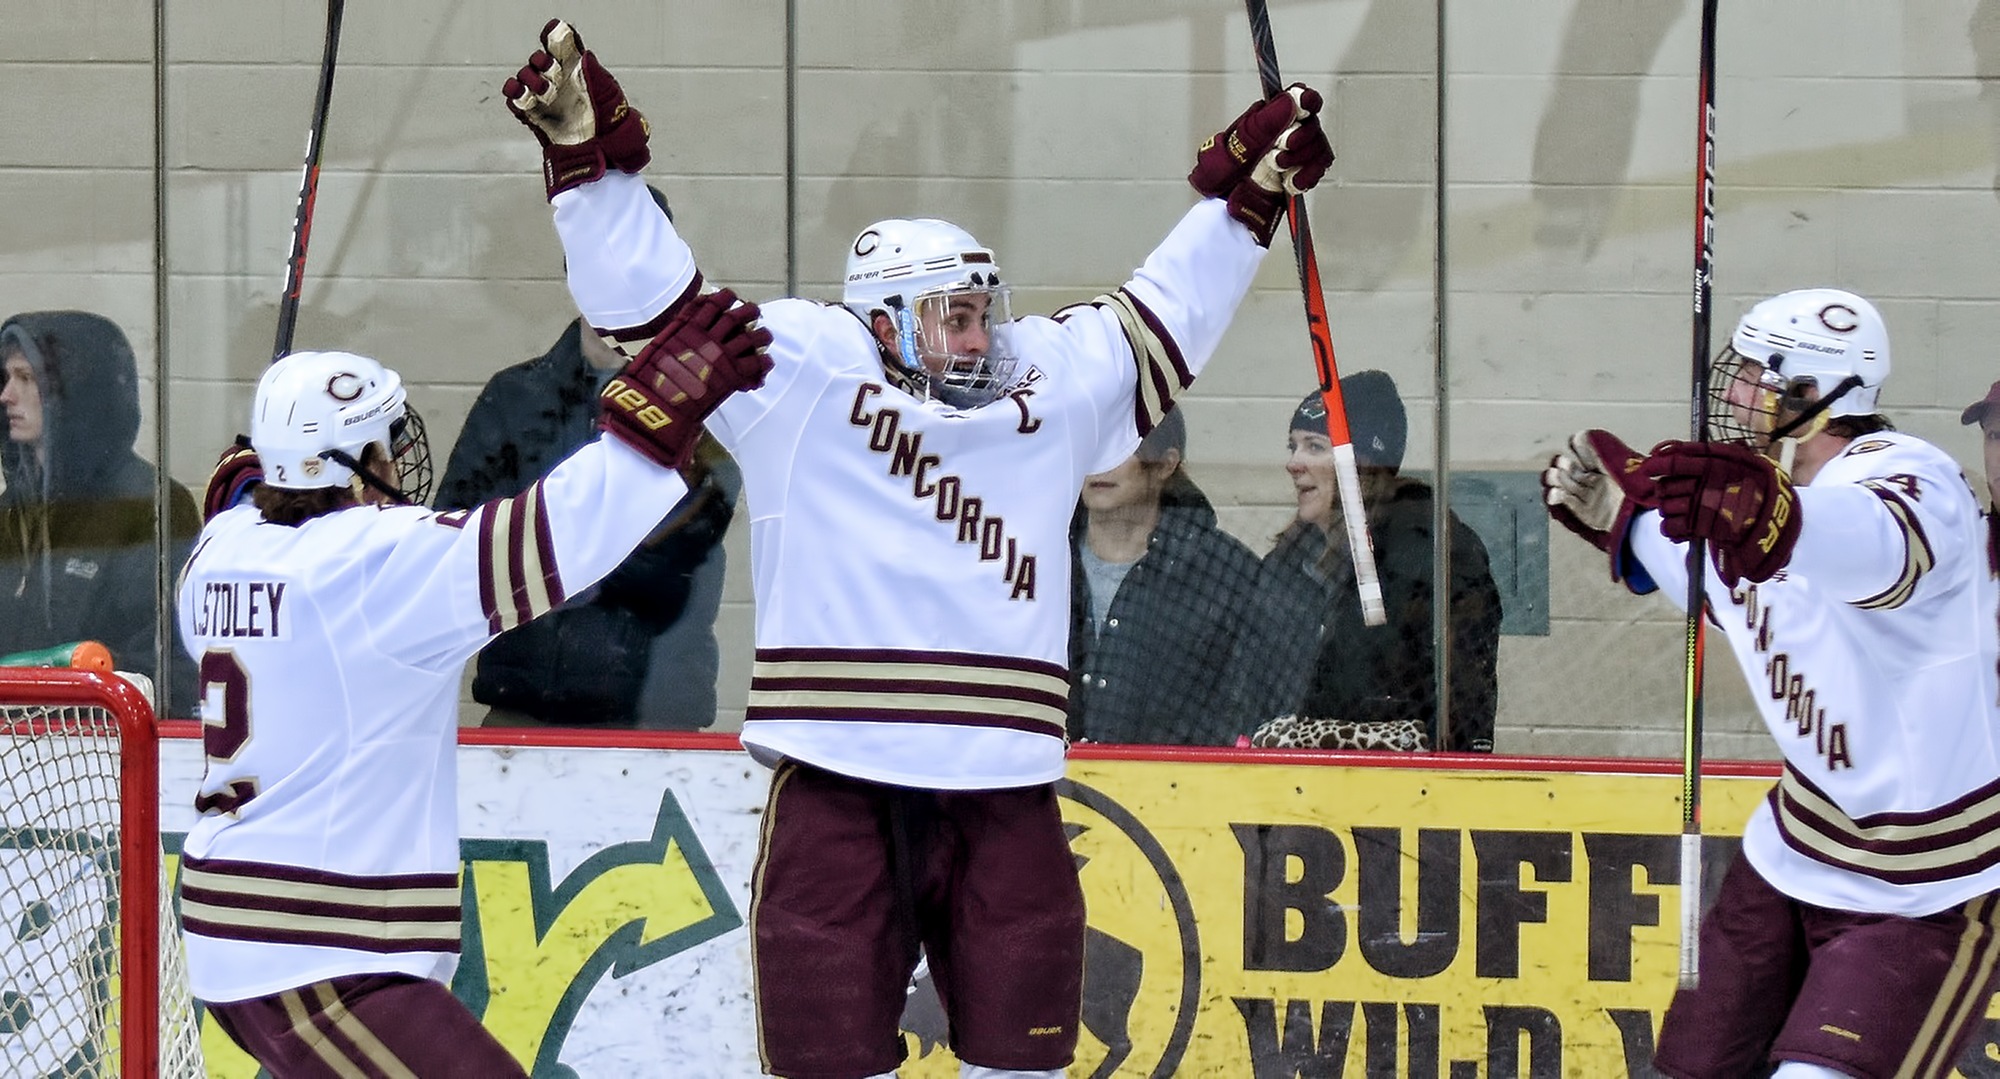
1956,839
518,579
1163,372
1917,555
629,341
909,686
280,904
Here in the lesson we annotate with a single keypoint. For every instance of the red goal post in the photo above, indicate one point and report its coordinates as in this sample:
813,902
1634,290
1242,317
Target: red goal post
84,904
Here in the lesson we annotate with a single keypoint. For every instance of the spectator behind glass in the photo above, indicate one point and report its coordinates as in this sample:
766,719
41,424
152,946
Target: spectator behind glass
77,548
1308,671
1156,596
629,651
1986,413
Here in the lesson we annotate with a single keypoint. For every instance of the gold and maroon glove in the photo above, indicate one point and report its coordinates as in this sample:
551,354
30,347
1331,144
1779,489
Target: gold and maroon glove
1276,149
577,111
1733,497
236,472
710,348
1595,487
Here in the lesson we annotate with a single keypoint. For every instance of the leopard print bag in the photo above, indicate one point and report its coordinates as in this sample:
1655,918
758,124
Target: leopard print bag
1298,732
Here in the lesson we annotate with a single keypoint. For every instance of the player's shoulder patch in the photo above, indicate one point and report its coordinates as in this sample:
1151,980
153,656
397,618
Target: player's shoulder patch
1869,445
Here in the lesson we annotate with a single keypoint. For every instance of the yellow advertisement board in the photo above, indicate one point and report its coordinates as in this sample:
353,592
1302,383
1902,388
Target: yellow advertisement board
1251,915
1281,921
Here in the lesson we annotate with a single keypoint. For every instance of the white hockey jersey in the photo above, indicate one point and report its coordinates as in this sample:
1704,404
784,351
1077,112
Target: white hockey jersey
910,560
1871,656
330,660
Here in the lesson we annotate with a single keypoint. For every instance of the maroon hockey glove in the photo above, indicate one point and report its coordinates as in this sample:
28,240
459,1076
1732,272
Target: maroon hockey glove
235,473
1274,150
577,111
711,348
1595,487
1733,497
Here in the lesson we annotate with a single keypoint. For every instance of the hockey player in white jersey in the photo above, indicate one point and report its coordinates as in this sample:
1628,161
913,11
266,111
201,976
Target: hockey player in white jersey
332,624
910,469
1856,934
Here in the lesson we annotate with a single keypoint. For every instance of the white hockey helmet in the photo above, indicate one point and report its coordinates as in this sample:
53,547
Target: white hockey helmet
316,413
1825,339
942,290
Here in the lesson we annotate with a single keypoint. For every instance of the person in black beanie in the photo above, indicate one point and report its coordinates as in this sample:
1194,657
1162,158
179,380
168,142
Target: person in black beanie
1308,671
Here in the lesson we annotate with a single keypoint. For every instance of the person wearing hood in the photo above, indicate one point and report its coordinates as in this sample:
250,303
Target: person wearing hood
1157,592
77,546
1309,672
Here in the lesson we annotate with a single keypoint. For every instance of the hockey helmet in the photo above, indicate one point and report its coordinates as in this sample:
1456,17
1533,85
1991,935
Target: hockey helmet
1819,338
316,414
942,290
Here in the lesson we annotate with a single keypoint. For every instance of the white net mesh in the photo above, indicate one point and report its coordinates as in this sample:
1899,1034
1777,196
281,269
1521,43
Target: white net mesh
61,915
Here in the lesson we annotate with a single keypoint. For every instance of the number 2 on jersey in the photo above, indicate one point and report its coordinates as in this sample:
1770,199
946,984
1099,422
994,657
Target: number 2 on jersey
225,736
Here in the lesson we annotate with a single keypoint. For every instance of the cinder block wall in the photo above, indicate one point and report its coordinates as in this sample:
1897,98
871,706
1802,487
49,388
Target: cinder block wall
1854,141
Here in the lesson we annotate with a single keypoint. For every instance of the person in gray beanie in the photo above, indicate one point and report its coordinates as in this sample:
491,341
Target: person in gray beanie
1307,670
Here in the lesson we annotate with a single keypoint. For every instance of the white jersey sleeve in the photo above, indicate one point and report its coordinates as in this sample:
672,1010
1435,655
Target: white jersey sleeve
454,580
1871,657
1142,345
1875,520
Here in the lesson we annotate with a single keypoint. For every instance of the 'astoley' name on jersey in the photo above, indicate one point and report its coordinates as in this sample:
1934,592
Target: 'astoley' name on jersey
240,609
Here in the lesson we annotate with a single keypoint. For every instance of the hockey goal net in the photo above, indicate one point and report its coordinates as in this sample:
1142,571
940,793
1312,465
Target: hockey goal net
92,976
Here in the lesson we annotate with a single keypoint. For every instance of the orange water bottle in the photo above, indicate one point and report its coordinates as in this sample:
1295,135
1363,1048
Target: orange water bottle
81,655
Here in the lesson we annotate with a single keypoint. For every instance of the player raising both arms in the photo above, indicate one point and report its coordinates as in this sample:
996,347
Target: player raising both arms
1856,934
319,890
911,467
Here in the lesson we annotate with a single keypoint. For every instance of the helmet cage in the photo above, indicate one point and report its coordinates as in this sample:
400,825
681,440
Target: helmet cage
1750,403
1744,399
932,331
920,273
409,450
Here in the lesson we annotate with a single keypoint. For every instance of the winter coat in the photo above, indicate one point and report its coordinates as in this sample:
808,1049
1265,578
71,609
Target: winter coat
585,662
1309,653
1152,674
78,555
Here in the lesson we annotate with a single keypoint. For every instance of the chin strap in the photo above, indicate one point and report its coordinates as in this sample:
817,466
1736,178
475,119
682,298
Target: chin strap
367,478
1796,428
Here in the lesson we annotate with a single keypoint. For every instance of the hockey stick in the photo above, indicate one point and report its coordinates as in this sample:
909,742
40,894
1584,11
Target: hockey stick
295,263
1366,581
1697,555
